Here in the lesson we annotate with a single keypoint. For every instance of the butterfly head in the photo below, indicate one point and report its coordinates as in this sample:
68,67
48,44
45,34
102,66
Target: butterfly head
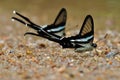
94,45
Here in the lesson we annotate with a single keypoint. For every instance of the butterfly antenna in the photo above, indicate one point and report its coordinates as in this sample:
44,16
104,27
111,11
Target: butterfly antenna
105,37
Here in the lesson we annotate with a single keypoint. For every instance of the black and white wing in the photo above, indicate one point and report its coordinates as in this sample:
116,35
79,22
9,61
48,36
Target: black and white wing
87,30
86,34
58,27
84,40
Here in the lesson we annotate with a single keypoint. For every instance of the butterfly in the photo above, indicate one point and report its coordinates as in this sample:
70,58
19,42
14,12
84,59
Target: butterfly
84,40
80,42
56,28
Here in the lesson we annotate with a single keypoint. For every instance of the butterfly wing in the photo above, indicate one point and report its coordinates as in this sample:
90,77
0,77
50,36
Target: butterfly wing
84,40
86,34
58,27
87,29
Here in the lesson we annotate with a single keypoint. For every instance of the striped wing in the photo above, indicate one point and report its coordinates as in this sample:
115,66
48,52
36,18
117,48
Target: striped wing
87,27
86,34
58,27
87,30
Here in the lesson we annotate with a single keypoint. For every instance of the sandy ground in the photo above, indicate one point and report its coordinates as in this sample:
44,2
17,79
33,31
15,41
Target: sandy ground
34,58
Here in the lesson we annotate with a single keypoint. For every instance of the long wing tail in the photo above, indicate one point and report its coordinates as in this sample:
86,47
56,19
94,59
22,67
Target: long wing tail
27,23
42,32
57,28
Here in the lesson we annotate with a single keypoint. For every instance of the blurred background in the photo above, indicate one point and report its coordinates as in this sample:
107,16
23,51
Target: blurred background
106,13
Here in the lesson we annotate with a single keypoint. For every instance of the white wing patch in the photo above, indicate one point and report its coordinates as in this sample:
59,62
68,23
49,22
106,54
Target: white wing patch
56,29
82,39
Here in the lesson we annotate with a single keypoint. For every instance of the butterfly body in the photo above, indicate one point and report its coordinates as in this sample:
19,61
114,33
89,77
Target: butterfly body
79,47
